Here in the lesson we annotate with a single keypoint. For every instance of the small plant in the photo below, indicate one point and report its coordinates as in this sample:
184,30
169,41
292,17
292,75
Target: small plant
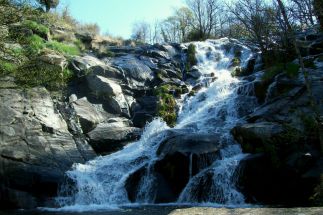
235,61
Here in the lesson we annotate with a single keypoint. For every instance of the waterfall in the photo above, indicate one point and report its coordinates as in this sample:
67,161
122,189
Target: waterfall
214,109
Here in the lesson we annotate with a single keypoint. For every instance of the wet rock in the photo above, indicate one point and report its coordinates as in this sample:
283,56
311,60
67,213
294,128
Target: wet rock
185,142
112,136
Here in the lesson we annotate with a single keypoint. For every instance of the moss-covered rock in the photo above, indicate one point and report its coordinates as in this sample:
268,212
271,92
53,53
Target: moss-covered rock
166,107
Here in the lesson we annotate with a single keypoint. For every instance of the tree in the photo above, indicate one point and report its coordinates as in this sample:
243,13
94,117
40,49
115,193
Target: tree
205,16
258,20
48,4
141,32
185,18
302,12
318,10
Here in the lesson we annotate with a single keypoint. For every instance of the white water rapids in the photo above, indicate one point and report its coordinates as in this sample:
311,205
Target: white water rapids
100,183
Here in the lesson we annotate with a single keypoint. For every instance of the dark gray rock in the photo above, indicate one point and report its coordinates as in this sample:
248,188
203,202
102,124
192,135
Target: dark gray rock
112,136
87,114
138,74
185,142
35,147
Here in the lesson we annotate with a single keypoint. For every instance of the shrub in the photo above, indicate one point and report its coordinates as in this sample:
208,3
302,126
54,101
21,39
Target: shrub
289,69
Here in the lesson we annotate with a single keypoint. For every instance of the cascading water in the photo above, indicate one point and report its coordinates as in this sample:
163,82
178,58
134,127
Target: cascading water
214,109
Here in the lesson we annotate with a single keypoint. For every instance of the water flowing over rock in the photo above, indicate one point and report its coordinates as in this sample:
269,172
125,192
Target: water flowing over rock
170,164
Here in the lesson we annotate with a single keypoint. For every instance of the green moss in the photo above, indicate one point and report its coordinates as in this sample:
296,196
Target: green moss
291,70
35,73
235,61
191,57
63,48
37,28
166,108
271,72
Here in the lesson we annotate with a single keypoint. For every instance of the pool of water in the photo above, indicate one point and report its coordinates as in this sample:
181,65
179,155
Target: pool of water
175,210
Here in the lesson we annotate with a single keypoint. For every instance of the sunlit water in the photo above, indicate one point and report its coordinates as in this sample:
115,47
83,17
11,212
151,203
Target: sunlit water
100,183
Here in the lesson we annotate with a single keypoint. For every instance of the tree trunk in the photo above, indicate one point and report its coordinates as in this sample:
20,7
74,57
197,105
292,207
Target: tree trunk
318,10
47,8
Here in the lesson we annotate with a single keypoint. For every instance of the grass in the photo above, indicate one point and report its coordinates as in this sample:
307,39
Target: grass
63,48
34,44
7,67
37,28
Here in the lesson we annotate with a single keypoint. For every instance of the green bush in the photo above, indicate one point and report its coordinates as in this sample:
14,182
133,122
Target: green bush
63,48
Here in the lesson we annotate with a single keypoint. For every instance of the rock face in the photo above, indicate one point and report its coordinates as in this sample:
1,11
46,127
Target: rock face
285,130
36,148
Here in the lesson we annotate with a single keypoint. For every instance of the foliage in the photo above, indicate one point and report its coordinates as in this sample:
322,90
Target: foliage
318,9
48,4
